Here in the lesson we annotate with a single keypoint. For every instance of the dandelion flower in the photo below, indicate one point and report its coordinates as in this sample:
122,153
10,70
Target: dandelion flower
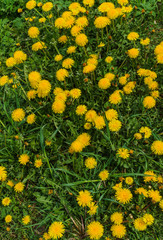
132,36
84,198
75,30
108,59
99,122
71,50
122,2
157,147
161,204
26,219
123,153
152,176
101,22
90,162
56,230
3,173
81,40
115,125
10,62
61,74
23,159
8,218
148,219
145,41
38,46
68,63
139,224
106,6
59,23
20,56
115,98
19,187
116,218
58,58
92,208
31,118
133,53
38,163
82,22
87,126
154,195
118,231
95,230
18,115
31,4
103,175
104,83
31,94
62,39
75,93
33,32
10,183
81,110
58,106
89,68
111,114
142,191
90,115
112,13
138,136
123,195
149,102
129,180
6,201
47,6
44,88
34,79
4,80
88,3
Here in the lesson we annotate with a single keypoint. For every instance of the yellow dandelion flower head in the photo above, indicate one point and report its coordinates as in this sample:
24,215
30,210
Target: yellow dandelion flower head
34,79
106,6
115,125
60,23
89,68
129,180
132,36
3,173
112,13
161,204
31,118
18,115
62,96
153,85
87,126
138,136
82,22
68,63
81,110
101,22
81,39
38,163
142,191
118,231
62,39
71,50
115,98
139,224
75,30
44,88
145,41
4,80
95,230
31,94
110,76
123,153
10,183
146,130
42,20
142,72
90,115
69,22
58,106
160,58
103,175
10,62
20,56
93,60
133,52
19,187
66,15
149,102
38,46
122,2
84,198
57,90
58,58
88,3
108,59
8,218
26,219
159,179
33,32
117,186
23,159
154,195
123,80
75,8
47,6
61,74
31,4
158,49
92,208
123,195
148,219
101,44
6,201
99,122
116,218
46,236
111,114
76,146
75,93
90,162
148,80
84,138
104,83
56,230
157,147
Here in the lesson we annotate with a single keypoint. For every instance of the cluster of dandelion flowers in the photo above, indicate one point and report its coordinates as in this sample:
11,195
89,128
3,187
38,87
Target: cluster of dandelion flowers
101,22
133,52
26,219
81,40
20,56
33,32
118,231
6,201
18,115
19,187
81,110
90,163
23,159
116,218
123,153
103,175
31,4
132,36
8,218
123,195
44,88
10,62
115,125
3,173
157,147
56,230
149,102
84,198
95,230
